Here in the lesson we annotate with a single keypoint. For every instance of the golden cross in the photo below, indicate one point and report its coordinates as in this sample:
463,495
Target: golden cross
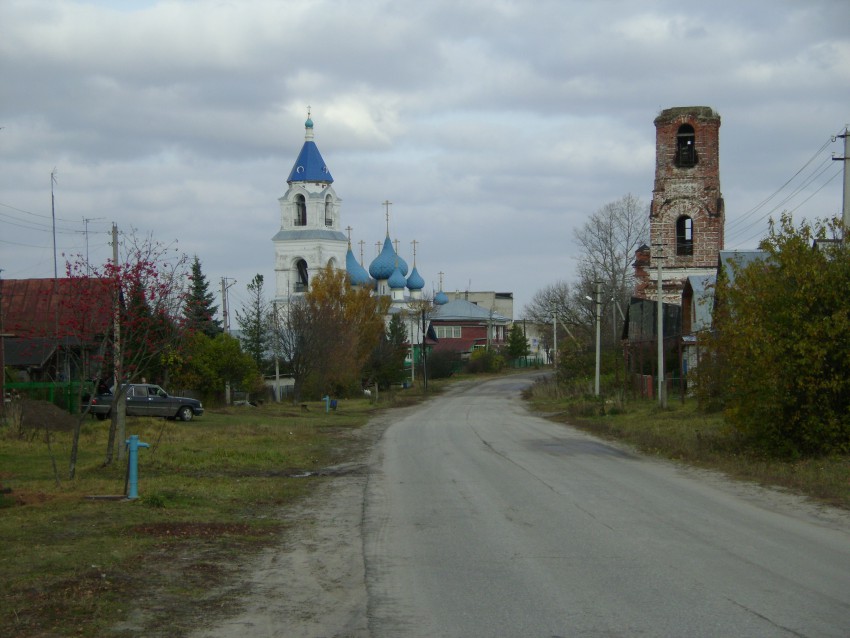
387,204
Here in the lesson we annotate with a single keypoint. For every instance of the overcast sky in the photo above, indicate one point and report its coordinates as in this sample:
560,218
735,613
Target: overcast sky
495,127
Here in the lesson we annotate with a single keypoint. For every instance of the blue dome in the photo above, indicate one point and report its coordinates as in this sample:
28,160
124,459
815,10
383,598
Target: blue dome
441,298
308,123
396,279
356,273
415,281
384,264
402,265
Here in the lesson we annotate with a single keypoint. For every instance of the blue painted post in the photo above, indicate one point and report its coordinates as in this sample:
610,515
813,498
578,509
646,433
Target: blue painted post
327,401
133,445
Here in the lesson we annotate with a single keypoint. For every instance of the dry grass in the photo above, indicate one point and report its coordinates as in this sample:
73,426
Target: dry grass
208,489
682,433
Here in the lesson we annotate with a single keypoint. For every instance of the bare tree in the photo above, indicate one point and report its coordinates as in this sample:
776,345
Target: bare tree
608,241
558,305
296,339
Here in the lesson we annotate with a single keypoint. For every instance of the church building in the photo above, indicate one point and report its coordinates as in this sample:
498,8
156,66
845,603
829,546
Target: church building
311,238
687,211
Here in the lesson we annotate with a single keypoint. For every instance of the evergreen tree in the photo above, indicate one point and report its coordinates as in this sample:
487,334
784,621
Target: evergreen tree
254,323
386,365
199,310
517,343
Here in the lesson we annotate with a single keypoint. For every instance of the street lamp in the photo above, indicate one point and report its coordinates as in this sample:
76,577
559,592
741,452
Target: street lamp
554,340
598,315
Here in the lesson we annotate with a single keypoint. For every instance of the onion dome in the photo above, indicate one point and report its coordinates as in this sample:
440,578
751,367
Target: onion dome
402,265
396,281
357,274
441,298
415,281
384,264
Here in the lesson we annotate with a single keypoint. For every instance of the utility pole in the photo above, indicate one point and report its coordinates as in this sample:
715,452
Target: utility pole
424,353
226,324
86,221
276,352
598,335
2,357
53,214
845,217
118,372
662,386
554,340
225,317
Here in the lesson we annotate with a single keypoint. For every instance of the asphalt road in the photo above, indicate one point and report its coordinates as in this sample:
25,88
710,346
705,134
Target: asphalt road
482,520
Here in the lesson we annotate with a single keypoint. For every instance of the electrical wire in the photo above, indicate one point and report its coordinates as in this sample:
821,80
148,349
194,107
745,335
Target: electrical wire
740,229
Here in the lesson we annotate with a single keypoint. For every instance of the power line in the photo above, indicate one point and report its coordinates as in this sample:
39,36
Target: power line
767,199
823,168
21,210
741,228
33,225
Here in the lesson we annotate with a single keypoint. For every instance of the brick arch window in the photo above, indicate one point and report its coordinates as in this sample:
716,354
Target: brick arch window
686,152
329,211
684,236
300,210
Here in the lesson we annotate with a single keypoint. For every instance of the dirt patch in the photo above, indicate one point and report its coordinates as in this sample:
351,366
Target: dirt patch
198,530
312,584
26,415
30,498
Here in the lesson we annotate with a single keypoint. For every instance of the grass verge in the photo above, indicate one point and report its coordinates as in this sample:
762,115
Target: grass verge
681,433
75,562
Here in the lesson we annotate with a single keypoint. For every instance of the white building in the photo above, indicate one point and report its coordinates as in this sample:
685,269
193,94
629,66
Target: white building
310,235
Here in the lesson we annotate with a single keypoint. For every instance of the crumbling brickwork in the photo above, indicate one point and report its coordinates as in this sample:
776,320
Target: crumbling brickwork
687,212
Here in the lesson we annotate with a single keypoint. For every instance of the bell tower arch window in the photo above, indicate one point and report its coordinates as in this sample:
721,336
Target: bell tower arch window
301,277
684,236
300,210
686,152
329,211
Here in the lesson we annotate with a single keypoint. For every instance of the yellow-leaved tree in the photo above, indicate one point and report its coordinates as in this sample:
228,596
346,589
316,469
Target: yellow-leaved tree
327,336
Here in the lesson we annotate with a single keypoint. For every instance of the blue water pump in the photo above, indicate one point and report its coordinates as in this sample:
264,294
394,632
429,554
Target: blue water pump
133,445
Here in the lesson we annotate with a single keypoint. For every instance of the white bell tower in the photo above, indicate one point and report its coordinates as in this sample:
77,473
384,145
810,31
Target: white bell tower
310,235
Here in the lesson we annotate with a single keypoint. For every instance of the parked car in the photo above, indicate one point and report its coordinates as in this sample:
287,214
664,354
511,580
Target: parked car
146,399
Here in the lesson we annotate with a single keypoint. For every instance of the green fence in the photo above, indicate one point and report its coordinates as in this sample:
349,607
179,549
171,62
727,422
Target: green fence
527,362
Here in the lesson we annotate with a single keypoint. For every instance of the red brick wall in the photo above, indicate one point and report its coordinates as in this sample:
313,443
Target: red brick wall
692,191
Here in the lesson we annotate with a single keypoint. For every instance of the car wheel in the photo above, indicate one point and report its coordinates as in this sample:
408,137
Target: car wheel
185,413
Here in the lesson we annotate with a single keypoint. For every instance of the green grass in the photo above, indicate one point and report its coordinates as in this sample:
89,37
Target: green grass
680,432
69,563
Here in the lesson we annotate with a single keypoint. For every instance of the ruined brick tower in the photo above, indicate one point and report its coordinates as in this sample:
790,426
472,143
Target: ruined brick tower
686,216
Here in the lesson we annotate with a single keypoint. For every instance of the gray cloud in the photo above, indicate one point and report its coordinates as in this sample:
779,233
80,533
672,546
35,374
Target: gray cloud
495,127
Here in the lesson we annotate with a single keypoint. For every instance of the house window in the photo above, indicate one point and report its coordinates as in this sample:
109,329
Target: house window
300,210
684,236
686,152
448,332
329,210
301,281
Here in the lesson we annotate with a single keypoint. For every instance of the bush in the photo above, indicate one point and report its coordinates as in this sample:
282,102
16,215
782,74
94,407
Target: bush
442,365
485,361
783,344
